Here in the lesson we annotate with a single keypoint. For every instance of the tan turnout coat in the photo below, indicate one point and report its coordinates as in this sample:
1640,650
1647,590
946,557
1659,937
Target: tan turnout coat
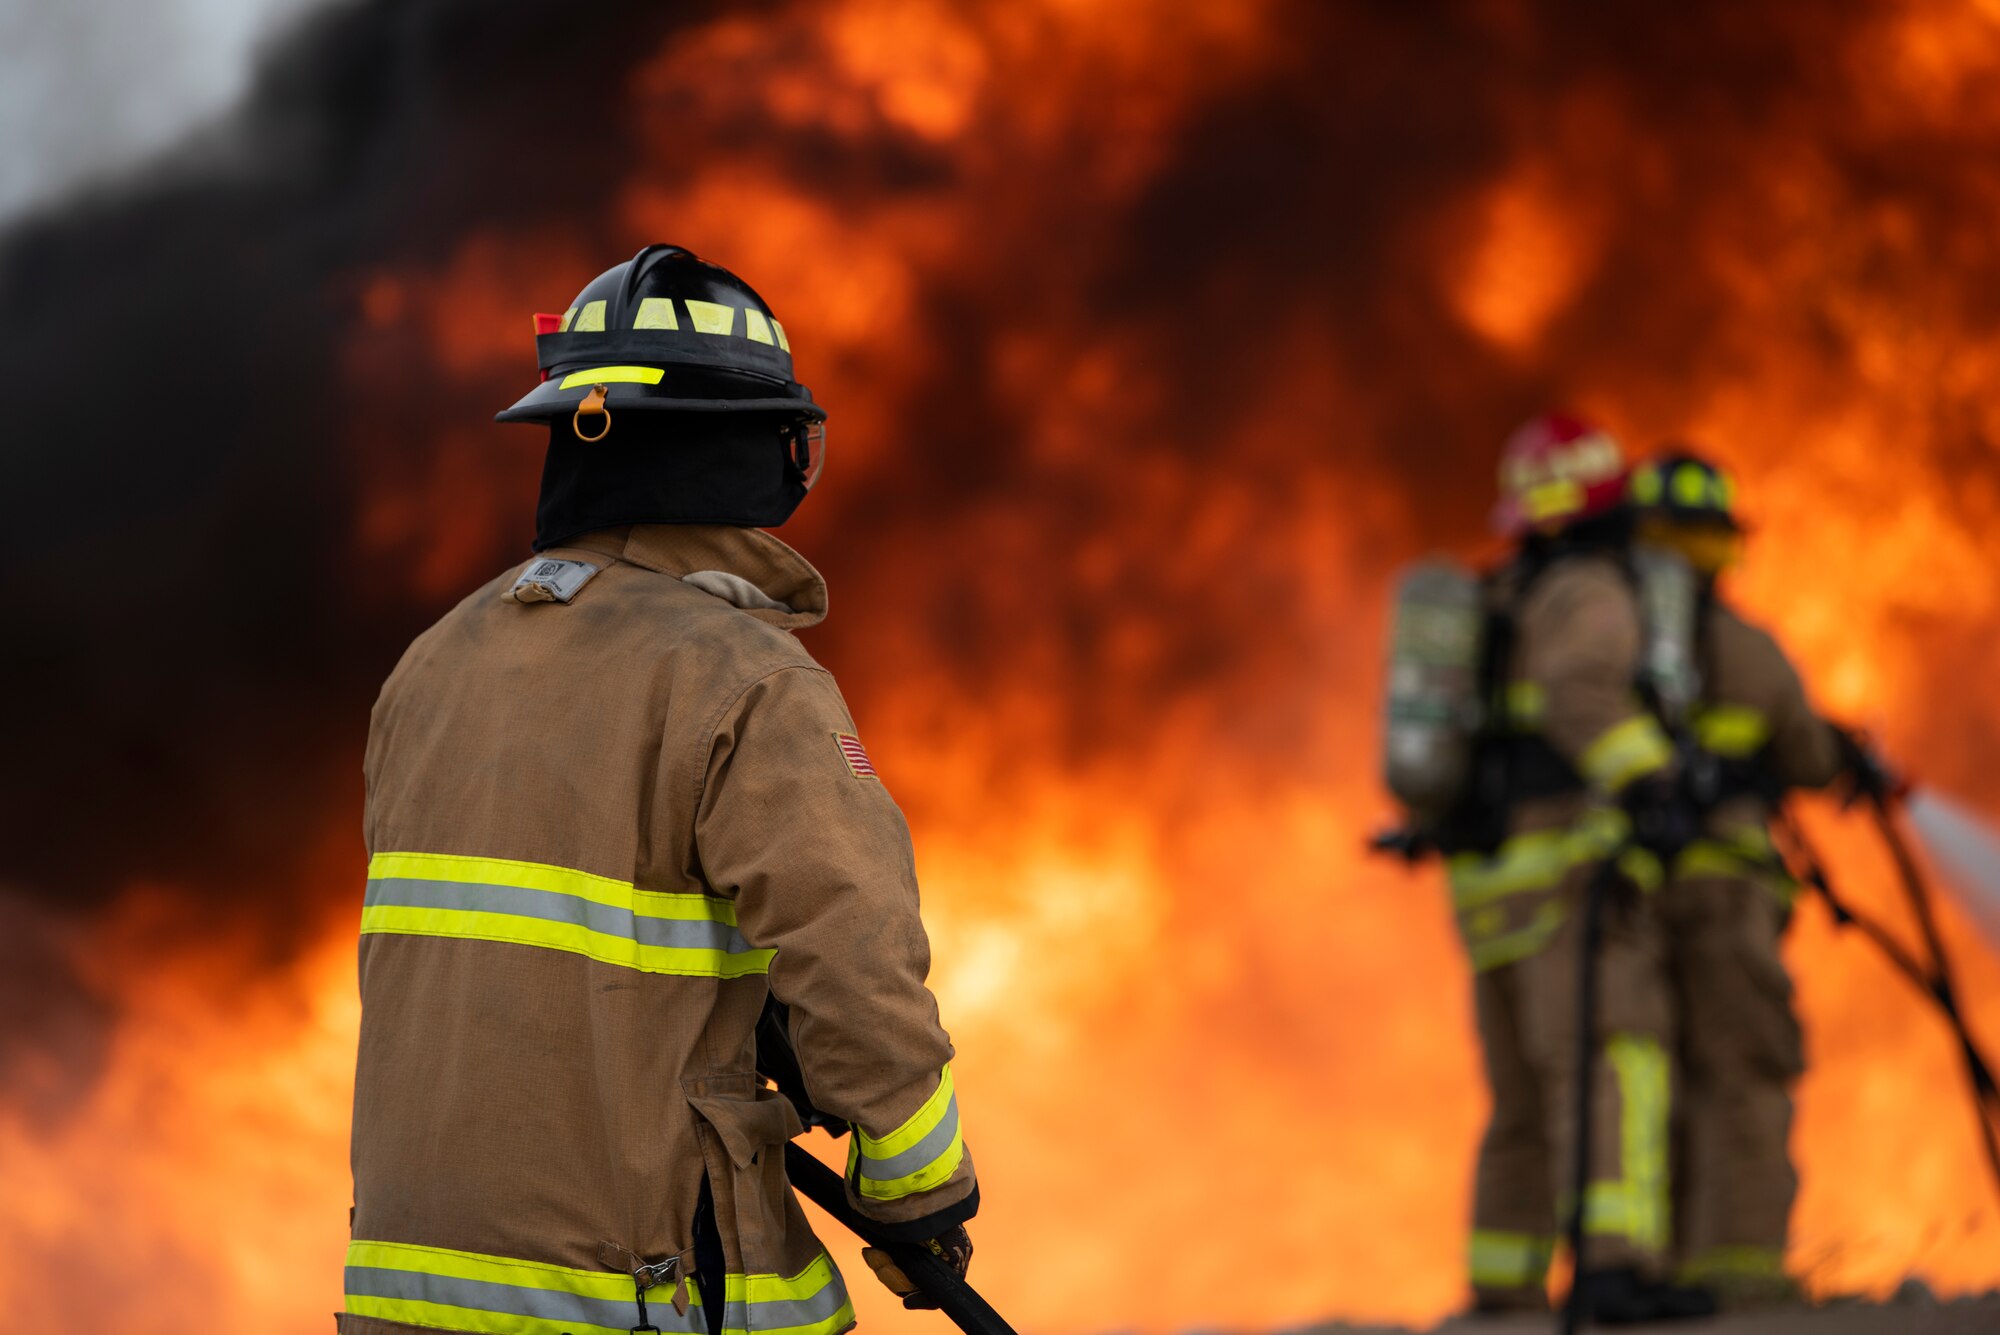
601,830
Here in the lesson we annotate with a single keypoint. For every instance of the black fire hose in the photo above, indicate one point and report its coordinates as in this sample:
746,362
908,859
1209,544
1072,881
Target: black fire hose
1942,988
1935,981
1602,881
956,1298
779,1064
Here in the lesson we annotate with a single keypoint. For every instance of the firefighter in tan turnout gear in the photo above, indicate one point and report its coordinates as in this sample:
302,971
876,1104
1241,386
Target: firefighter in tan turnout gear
613,807
1570,768
1729,898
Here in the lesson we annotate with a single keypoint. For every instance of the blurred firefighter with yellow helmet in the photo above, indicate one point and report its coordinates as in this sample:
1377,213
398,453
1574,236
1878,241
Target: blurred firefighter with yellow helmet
614,812
1754,734
1562,767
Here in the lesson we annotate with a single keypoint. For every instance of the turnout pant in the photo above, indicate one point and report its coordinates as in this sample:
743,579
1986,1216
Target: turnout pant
1740,1051
1527,1013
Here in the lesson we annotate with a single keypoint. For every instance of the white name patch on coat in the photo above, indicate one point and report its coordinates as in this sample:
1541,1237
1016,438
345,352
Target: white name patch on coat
551,580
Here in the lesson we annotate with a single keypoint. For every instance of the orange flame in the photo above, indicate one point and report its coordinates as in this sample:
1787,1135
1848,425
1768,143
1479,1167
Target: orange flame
1217,1064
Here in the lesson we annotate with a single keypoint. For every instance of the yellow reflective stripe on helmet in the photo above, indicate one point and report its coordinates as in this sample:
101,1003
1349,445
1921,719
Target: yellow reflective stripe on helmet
710,317
1552,500
1503,1260
918,1155
557,908
614,375
569,318
1690,486
755,327
1626,751
656,313
812,1302
590,319
435,1286
1734,732
779,330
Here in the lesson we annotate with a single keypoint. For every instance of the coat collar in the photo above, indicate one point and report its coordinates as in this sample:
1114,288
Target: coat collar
683,550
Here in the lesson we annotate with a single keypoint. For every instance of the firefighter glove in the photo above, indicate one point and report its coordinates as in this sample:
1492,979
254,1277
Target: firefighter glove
954,1248
1664,817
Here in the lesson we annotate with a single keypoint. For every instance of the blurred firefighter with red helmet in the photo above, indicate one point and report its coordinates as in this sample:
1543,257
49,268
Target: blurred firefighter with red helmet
1589,767
1753,735
1563,769
614,811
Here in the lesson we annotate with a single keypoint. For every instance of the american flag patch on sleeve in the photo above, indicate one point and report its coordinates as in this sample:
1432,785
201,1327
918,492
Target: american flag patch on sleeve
857,759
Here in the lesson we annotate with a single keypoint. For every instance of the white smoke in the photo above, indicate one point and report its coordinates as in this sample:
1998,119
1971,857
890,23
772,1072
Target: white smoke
1967,850
92,88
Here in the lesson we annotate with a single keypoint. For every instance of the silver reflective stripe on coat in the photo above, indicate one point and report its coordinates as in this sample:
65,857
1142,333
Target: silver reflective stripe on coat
517,901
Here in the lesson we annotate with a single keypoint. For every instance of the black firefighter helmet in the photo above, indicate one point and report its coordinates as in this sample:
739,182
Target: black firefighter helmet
666,331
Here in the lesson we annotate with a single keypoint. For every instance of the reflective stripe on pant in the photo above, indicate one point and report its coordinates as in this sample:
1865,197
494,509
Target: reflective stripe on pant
496,1295
1527,1024
1727,1263
1513,1209
1635,1206
1500,1260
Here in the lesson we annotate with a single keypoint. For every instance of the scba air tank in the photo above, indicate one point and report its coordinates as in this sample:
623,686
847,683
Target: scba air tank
1670,610
1436,637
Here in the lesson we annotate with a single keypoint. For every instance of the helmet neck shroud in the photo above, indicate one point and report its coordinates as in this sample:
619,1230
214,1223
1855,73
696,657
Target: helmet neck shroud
667,467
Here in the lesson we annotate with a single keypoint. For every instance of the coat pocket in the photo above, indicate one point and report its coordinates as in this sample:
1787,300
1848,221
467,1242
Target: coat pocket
743,1128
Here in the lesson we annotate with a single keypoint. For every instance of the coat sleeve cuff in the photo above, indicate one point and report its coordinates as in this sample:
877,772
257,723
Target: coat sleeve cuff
935,1224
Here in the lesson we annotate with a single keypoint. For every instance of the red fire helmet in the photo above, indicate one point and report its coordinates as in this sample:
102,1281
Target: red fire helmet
1555,470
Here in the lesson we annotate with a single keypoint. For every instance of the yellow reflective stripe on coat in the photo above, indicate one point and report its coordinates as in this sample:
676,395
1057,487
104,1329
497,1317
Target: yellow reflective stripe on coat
1492,951
1537,860
1636,1207
812,1302
557,908
434,1286
1746,851
920,1154
1535,863
1525,702
1734,732
1624,752
1502,1260
614,375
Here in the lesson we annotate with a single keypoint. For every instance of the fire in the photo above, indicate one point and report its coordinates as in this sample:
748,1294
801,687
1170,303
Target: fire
1155,337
